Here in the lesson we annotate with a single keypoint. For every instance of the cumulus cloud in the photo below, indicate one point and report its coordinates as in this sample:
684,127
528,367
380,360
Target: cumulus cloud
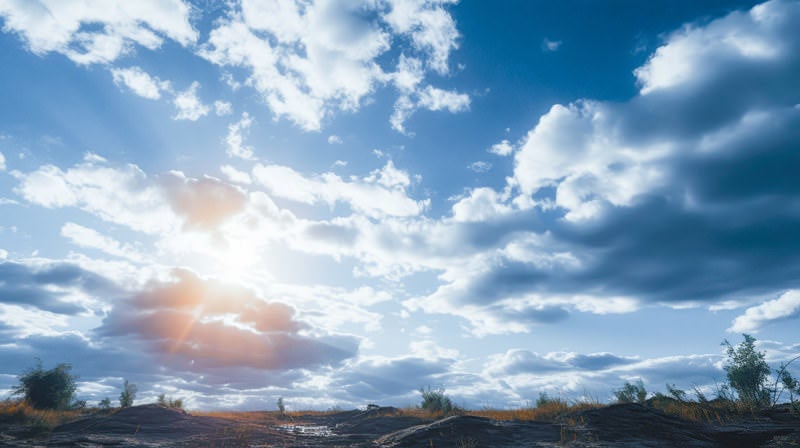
90,238
71,27
787,306
549,45
234,175
2,162
339,65
504,148
222,108
235,138
123,195
381,193
335,140
480,166
54,287
207,325
188,105
140,82
669,198
204,203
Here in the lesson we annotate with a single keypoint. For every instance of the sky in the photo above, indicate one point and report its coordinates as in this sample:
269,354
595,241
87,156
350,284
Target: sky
339,202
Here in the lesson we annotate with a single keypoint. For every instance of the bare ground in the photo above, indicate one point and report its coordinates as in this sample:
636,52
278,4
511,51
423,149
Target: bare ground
625,425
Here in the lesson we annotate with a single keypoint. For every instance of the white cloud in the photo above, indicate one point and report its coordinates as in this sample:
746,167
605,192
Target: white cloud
2,162
188,106
757,35
381,193
551,45
432,29
480,166
786,306
70,27
504,148
480,205
339,163
90,238
335,140
222,108
235,175
235,138
432,98
119,195
341,45
140,82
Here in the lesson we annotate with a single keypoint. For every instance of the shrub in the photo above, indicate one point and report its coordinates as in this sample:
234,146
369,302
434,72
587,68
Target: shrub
127,395
168,402
748,372
434,400
47,389
631,393
105,404
281,406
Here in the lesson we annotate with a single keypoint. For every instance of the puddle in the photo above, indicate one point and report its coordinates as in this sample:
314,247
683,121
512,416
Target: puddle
307,430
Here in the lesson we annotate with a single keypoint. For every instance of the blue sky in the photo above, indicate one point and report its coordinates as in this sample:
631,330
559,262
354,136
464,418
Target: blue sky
341,202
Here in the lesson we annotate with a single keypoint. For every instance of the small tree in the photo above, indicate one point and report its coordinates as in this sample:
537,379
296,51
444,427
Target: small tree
748,372
631,393
47,389
281,406
105,404
127,395
434,400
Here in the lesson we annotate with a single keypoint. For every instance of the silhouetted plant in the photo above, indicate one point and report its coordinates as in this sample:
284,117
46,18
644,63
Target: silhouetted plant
47,389
545,400
165,401
631,393
105,404
127,395
281,406
434,400
748,372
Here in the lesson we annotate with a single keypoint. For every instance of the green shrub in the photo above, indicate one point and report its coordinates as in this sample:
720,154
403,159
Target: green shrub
127,395
748,372
47,389
168,402
631,393
434,400
105,404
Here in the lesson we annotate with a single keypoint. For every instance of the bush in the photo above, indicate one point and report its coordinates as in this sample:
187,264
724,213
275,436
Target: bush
105,404
169,402
631,393
127,395
748,372
434,400
47,389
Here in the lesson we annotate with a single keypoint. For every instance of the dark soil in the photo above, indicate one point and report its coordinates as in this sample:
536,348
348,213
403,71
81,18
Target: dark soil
624,425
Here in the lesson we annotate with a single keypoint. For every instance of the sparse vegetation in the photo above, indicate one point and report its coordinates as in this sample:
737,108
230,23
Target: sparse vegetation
47,389
169,402
748,372
435,401
128,395
104,404
281,406
631,393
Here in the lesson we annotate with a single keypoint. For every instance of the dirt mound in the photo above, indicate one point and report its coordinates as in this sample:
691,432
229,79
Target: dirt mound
635,425
135,426
468,431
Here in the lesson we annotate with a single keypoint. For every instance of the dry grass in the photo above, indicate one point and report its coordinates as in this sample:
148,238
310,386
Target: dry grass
37,421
